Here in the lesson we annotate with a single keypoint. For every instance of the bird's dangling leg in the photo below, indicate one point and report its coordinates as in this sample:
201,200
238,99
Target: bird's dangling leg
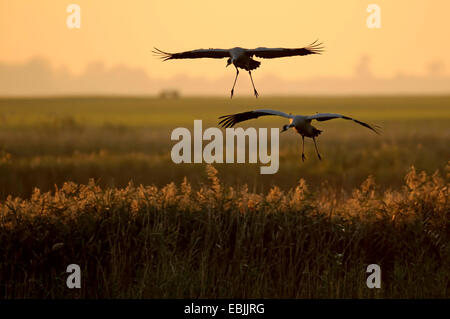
303,148
254,90
232,89
315,145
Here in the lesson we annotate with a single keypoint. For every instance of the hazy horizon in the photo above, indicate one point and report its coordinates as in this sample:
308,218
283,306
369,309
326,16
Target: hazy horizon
37,77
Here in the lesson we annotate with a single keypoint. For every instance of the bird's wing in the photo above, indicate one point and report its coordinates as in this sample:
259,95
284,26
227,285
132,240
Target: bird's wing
194,54
270,53
330,116
230,120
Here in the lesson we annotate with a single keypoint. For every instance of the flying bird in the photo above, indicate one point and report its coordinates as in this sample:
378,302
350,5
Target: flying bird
300,123
242,58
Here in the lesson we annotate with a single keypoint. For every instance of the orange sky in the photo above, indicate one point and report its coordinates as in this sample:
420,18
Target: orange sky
414,33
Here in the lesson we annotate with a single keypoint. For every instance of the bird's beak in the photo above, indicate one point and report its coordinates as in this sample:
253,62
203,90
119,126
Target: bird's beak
285,128
227,64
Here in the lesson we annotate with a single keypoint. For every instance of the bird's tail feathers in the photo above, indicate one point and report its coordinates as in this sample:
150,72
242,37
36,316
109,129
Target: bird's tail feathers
254,64
316,132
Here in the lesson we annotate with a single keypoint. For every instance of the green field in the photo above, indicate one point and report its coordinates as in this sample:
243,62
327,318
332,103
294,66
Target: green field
44,142
308,231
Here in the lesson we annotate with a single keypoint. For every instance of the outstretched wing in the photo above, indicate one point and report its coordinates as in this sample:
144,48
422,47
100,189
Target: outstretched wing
270,53
330,116
194,54
231,120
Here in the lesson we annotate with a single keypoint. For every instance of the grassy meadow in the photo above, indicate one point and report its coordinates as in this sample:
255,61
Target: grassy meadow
45,142
90,181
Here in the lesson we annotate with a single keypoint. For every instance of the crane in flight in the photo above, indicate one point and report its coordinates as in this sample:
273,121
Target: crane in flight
300,123
242,58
